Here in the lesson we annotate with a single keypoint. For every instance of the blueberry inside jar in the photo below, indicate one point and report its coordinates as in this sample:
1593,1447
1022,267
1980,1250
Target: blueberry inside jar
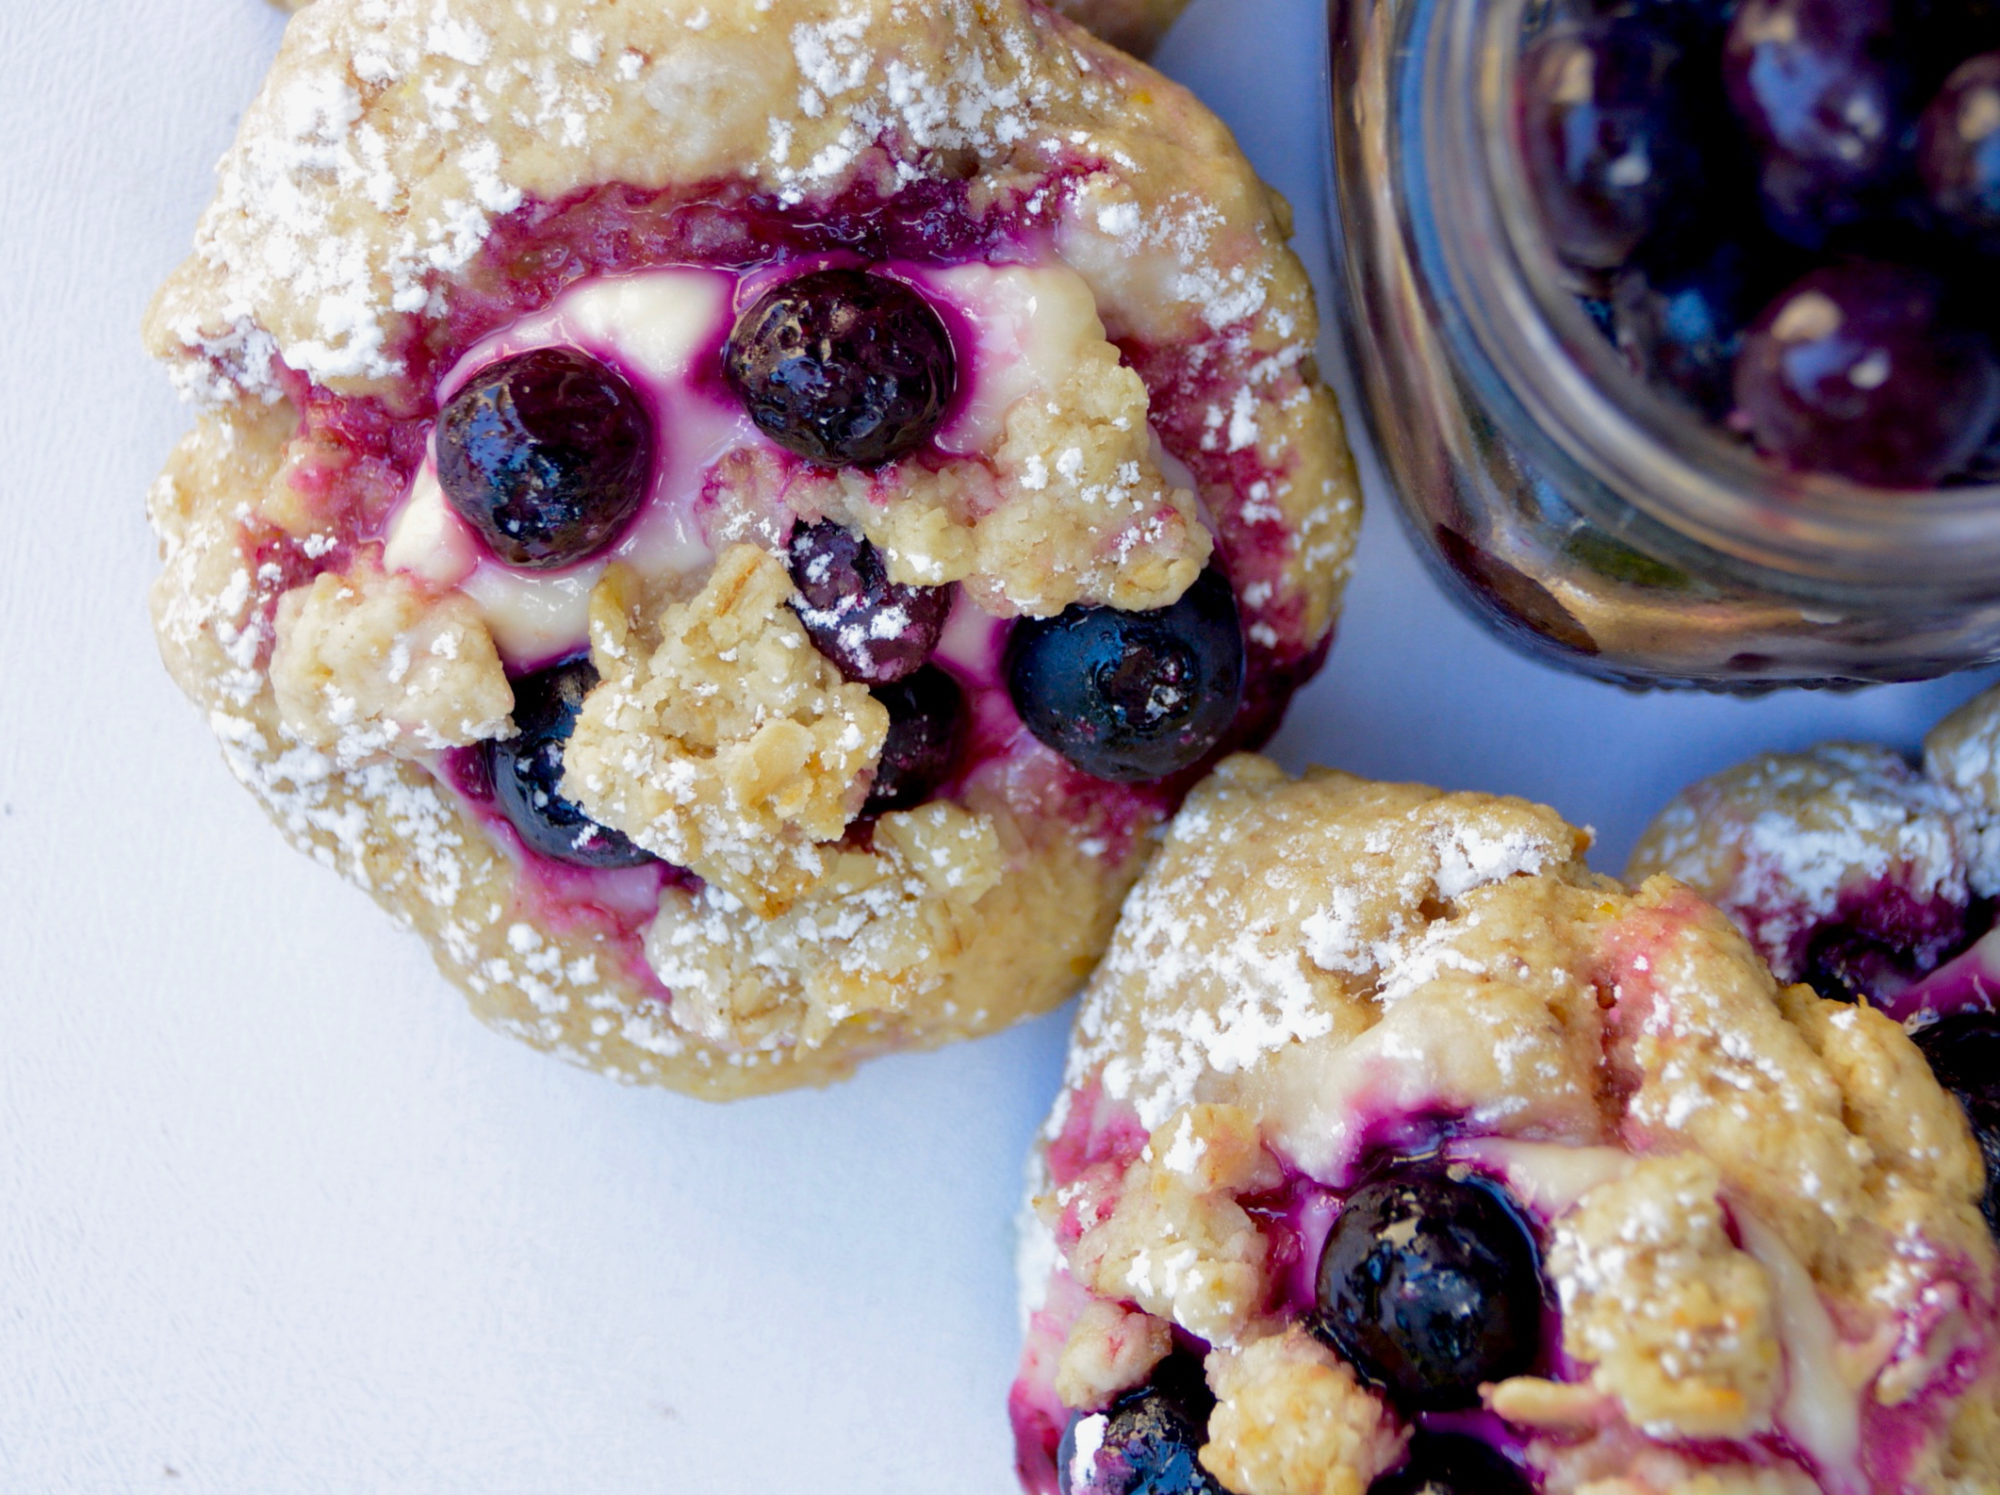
1674,326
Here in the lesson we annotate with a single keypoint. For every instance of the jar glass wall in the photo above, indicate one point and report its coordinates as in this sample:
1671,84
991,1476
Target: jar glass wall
1589,519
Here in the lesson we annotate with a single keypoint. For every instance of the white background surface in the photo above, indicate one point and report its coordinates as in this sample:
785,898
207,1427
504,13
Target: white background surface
275,1214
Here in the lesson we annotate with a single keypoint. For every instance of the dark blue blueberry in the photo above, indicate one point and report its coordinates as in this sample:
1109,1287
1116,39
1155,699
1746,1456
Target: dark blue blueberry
1453,1464
1826,89
1609,134
1430,1285
1958,150
843,367
527,773
1964,1052
1858,369
1147,1444
926,730
1131,695
547,456
876,630
1681,324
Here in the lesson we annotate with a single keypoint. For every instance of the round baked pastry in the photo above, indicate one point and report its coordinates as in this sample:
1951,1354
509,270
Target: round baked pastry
1871,878
669,467
1399,1151
1135,25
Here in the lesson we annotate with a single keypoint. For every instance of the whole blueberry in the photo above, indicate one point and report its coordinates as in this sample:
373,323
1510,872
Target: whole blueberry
926,730
1147,1444
842,367
1824,87
1131,695
547,455
1430,1285
1681,323
1453,1464
1860,369
876,630
1608,134
1958,149
527,768
1964,1051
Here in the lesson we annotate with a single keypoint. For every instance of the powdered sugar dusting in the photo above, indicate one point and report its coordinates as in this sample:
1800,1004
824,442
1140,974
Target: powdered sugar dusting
1191,990
1783,841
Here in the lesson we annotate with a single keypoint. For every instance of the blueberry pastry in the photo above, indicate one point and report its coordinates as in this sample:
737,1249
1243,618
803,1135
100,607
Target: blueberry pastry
1399,1152
736,520
1871,878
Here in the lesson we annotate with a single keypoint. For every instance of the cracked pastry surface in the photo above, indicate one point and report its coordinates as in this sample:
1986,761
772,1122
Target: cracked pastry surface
449,226
1660,1223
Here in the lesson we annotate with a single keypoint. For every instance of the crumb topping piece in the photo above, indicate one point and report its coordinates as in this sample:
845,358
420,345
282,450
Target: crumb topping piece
1291,1419
1110,1349
874,931
1176,1242
368,664
1674,1320
720,739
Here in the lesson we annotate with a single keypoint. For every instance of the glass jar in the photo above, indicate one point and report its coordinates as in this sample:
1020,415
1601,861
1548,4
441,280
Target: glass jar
1588,519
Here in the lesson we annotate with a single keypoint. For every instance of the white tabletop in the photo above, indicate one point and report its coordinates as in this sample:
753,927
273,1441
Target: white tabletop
275,1213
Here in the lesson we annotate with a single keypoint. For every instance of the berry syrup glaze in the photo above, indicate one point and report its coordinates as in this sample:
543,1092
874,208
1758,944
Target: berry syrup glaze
1221,1112
1853,870
650,283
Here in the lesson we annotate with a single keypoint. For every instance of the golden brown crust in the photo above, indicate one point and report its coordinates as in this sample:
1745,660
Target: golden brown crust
420,851
1760,1207
353,217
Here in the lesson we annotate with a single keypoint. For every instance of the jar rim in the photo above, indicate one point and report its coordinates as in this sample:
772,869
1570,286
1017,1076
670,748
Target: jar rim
1654,454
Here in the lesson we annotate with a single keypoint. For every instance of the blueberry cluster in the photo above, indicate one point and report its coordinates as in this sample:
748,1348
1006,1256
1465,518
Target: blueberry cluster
548,455
1429,1285
1786,213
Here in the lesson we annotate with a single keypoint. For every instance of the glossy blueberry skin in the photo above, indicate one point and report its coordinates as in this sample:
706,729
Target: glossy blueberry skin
926,732
1860,369
1431,1286
1958,150
842,367
1148,1442
1453,1464
526,770
1964,1051
1825,87
876,630
547,455
1608,133
1130,696
1681,324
